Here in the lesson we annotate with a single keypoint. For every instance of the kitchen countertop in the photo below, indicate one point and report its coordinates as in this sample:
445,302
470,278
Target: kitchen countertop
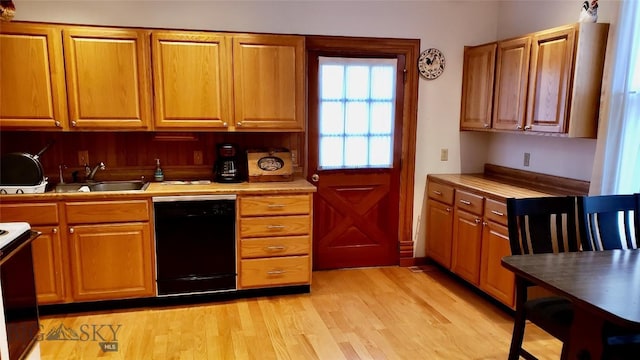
170,188
479,183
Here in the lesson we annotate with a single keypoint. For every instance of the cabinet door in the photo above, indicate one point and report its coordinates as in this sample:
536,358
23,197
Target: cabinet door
467,240
549,80
477,86
107,78
439,231
111,261
32,77
192,80
48,260
512,74
495,279
268,72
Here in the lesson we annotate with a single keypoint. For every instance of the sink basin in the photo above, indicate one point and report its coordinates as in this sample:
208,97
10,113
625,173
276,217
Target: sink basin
118,186
102,186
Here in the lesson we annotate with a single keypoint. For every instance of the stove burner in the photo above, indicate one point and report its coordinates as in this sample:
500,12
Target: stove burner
2,232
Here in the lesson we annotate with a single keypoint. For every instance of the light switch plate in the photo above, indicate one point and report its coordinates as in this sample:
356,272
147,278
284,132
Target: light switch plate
527,159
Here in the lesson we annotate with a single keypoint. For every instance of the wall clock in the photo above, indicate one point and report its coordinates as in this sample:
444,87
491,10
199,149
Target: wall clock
431,63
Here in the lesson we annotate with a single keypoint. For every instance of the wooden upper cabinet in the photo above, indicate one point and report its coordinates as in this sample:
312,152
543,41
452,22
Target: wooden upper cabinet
268,74
550,76
192,76
510,92
477,86
545,82
33,94
565,79
108,78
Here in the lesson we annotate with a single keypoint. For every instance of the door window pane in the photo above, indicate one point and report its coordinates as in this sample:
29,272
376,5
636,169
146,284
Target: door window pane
357,107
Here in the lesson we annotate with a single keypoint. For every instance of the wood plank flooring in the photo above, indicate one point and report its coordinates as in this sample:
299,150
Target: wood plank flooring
372,313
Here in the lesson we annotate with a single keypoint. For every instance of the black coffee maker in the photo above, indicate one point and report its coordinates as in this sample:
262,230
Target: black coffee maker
228,166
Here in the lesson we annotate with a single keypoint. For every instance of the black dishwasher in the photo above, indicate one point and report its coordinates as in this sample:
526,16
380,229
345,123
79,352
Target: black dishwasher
195,244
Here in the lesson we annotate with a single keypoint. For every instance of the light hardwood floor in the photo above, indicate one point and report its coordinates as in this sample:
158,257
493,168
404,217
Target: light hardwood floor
373,313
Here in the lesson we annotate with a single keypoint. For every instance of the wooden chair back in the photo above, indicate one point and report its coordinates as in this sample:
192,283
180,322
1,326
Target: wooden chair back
543,225
610,221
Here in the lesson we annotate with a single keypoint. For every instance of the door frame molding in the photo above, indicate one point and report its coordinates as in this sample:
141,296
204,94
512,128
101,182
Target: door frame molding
410,48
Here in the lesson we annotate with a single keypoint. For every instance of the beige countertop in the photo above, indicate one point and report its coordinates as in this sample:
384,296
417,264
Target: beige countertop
171,189
487,187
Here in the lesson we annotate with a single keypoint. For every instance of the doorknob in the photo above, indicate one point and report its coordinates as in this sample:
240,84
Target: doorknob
315,177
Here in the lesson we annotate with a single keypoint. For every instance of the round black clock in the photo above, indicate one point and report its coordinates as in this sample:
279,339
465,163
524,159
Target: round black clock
431,63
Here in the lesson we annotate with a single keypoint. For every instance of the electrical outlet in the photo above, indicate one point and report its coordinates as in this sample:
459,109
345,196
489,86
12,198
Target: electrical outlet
83,157
527,158
444,154
197,157
294,158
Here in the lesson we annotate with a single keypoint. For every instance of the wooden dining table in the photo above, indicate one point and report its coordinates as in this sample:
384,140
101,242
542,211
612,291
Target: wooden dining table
604,287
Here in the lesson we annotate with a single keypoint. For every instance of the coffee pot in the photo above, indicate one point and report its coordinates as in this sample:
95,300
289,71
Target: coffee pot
228,165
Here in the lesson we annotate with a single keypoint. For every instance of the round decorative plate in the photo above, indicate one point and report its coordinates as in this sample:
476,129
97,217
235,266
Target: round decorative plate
431,63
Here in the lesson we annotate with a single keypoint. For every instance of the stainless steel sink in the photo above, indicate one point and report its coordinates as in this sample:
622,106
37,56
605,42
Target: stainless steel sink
131,185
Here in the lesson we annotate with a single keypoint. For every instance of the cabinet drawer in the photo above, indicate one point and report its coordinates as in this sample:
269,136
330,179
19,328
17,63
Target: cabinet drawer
275,226
275,205
275,271
274,246
34,214
469,202
495,211
90,212
441,192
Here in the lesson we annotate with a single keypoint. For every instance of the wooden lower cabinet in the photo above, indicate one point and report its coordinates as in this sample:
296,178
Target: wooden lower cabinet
111,261
467,241
274,240
495,279
439,232
48,265
49,250
467,233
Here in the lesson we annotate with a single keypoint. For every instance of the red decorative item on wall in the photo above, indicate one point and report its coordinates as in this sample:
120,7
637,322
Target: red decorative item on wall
7,10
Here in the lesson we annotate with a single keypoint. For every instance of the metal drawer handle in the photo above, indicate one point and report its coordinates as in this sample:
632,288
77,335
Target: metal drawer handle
275,272
275,247
497,213
275,205
437,192
465,202
275,226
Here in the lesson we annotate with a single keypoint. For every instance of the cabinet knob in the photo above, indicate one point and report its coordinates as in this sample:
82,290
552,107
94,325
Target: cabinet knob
54,230
528,127
58,124
519,127
448,209
71,230
225,124
74,124
315,177
486,126
478,221
484,223
239,123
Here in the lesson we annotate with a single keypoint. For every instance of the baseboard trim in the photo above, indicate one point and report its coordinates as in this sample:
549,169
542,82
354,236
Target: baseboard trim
413,261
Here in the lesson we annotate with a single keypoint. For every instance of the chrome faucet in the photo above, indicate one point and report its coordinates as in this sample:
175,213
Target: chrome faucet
92,172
